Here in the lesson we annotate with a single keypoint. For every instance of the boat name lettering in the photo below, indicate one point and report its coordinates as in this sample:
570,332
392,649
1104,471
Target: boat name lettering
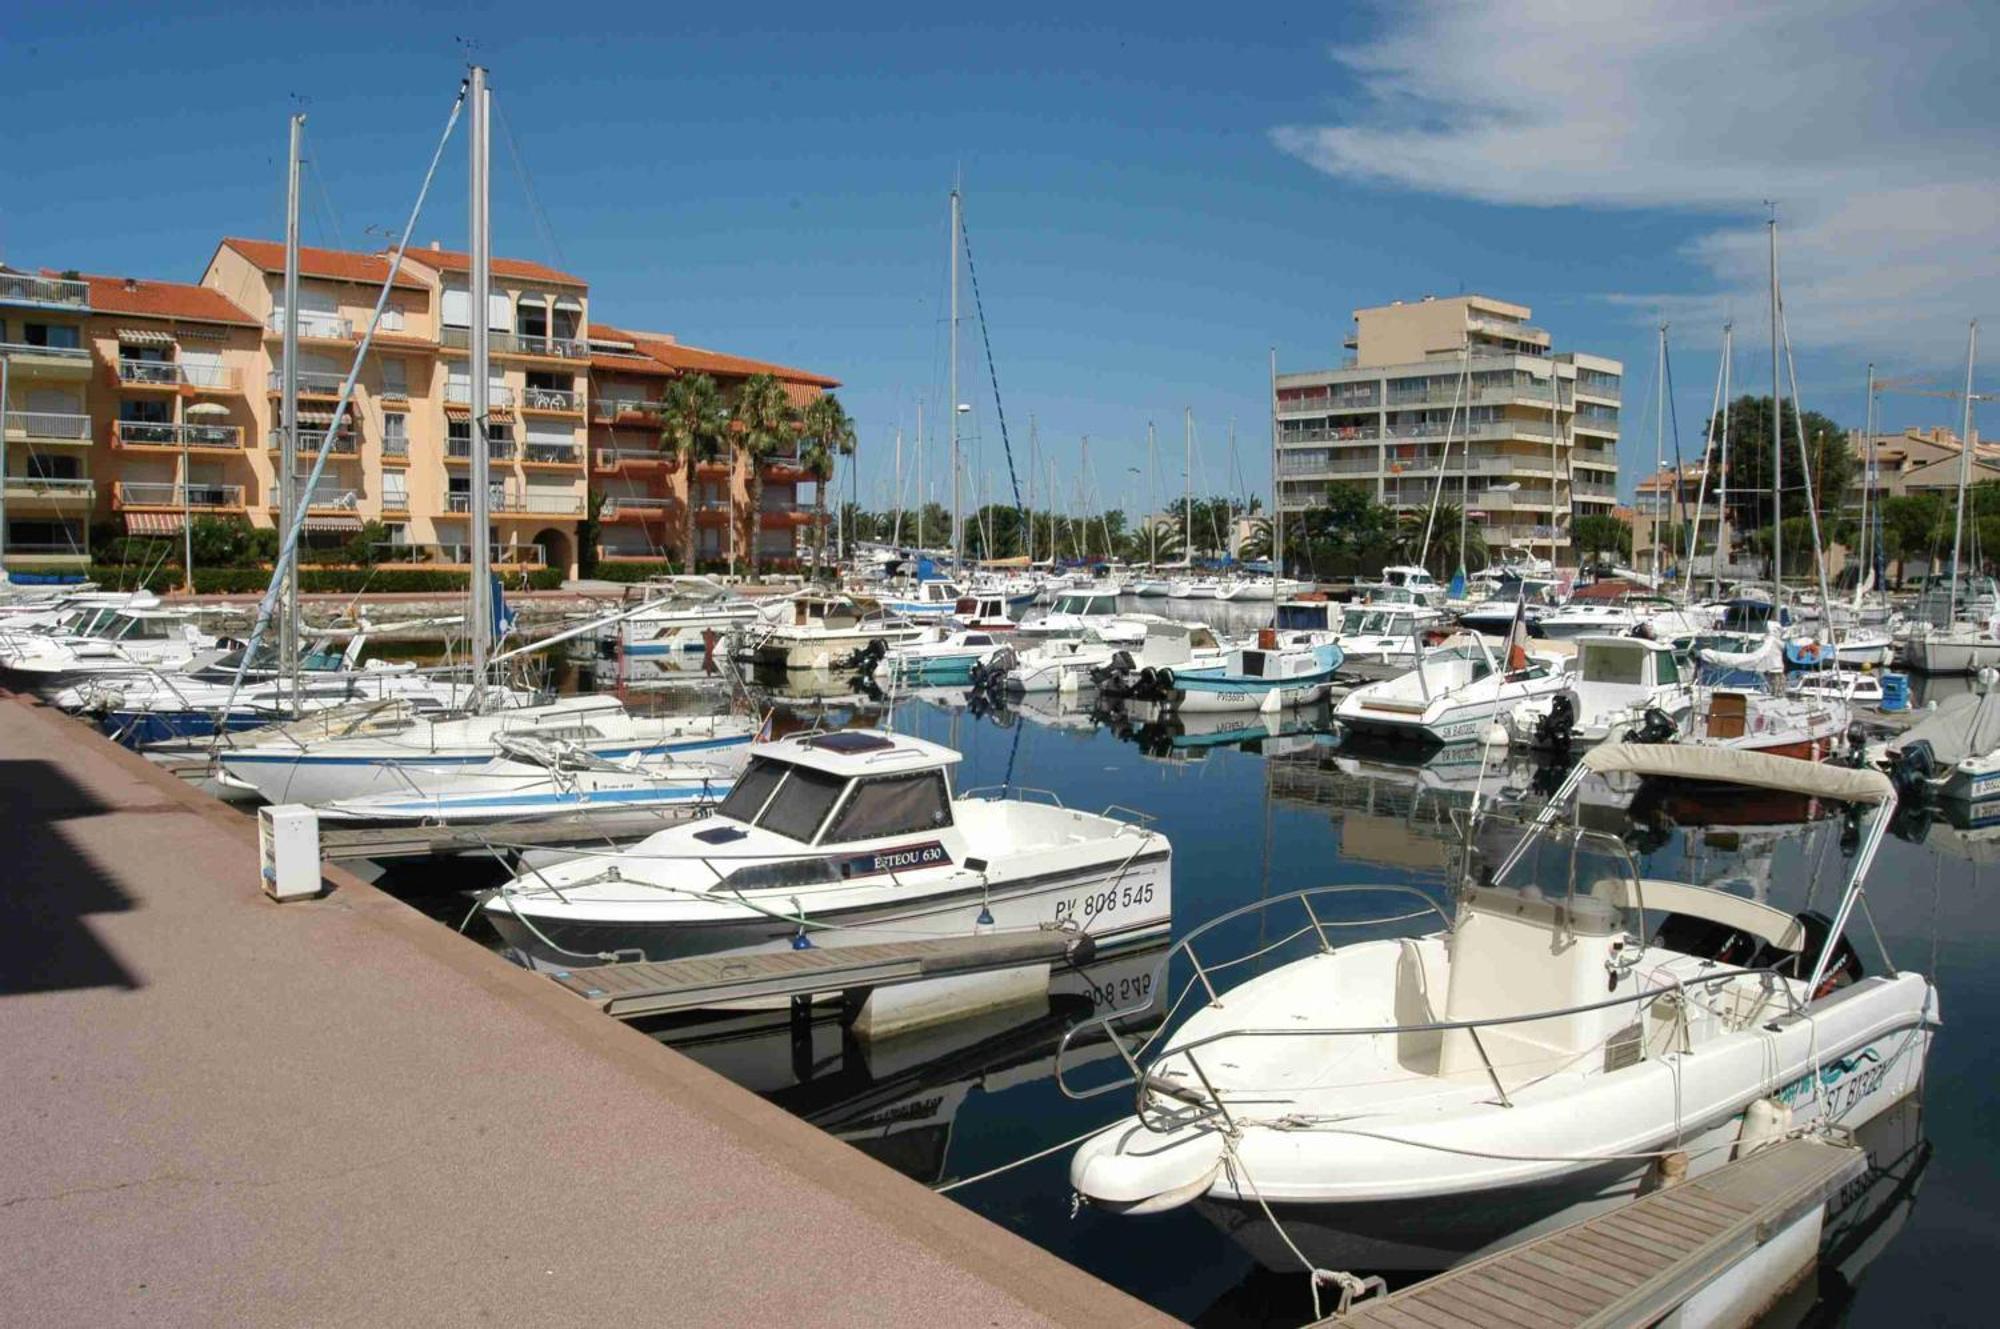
891,860
1104,901
1847,1081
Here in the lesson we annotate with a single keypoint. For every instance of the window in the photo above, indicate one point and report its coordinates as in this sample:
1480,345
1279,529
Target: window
395,378
59,336
395,491
152,412
801,805
395,434
892,805
753,788
44,467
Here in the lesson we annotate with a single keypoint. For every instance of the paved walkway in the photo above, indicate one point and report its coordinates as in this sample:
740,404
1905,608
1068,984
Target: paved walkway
220,1110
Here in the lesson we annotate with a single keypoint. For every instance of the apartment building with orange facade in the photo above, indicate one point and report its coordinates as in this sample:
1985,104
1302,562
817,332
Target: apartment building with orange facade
137,401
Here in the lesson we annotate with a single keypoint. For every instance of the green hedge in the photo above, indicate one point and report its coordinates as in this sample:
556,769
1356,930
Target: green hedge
239,581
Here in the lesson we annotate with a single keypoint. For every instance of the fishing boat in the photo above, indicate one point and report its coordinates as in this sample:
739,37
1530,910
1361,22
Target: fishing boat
285,769
1265,677
839,838
1170,647
822,629
1614,682
1455,693
1528,1058
536,778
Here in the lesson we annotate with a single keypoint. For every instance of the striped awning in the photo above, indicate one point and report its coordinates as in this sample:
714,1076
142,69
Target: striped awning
315,417
458,412
339,522
144,337
152,523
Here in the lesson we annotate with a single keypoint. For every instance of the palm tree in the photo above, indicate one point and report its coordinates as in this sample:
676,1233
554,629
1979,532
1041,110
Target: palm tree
1257,544
692,424
1449,558
827,433
766,421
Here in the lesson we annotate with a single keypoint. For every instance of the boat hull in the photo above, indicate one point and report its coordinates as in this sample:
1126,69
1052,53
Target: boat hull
1931,655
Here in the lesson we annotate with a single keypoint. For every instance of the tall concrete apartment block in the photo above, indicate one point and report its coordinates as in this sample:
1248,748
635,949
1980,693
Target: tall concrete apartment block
1472,368
136,401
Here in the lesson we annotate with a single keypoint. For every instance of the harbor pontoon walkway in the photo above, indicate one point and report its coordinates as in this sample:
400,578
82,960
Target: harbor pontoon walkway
221,1110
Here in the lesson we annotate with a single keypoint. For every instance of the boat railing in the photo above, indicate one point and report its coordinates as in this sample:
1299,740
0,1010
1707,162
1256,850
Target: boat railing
1019,792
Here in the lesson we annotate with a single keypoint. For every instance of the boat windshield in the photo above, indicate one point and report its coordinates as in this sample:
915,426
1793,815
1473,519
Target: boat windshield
1557,862
1303,618
784,799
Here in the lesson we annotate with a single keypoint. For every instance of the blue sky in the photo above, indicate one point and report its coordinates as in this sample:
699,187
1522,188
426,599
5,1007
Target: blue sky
1153,201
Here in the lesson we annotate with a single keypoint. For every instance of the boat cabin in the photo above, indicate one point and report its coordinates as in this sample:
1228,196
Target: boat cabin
936,594
1086,604
843,787
1625,663
835,612
983,610
1410,578
1385,621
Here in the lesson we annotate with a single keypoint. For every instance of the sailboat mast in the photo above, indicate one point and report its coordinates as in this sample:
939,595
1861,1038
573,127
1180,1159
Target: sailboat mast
1555,445
288,439
921,495
1722,512
1660,447
1034,442
1187,497
1777,443
1277,507
1867,479
957,525
1964,462
896,535
1152,496
480,626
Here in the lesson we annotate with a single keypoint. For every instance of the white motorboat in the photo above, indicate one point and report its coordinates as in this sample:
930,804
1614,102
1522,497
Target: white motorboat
1855,687
1613,683
933,597
1376,641
820,631
679,620
1265,677
1170,647
1455,693
1193,588
1410,1102
121,642
535,778
289,769
1054,664
942,655
845,838
1078,611
986,611
1423,587
1580,617
1960,648
1955,749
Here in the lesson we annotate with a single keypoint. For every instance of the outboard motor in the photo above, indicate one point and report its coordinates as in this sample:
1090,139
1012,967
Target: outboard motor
1911,771
1557,730
1655,726
991,676
1114,676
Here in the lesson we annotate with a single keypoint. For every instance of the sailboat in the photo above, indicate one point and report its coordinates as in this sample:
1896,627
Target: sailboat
1960,645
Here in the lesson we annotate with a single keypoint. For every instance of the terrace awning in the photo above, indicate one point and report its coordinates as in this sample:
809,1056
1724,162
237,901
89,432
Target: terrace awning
152,523
336,522
144,337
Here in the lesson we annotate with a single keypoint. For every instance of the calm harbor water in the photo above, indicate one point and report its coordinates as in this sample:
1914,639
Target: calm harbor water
1259,814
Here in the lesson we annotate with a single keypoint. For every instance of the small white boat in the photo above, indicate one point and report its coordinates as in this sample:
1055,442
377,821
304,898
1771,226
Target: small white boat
1265,677
941,655
118,642
1054,664
1613,683
1855,687
1518,1064
1422,587
820,631
844,838
1961,648
931,598
1455,693
1193,588
534,779
1077,611
1579,618
679,620
1376,641
1150,586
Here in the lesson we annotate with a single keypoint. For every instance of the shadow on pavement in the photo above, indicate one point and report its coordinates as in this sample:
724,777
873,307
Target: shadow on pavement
48,886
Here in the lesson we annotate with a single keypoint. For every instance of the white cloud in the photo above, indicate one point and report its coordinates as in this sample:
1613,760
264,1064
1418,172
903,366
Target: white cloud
1868,123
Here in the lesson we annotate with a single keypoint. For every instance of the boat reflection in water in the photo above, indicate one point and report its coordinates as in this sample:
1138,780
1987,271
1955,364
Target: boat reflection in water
1165,735
898,1099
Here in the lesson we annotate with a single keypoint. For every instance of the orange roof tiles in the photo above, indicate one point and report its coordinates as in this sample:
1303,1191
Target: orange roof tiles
694,359
444,260
164,299
331,264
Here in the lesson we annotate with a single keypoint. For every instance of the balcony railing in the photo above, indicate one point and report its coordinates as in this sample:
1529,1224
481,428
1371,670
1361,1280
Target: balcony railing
22,288
52,426
1503,328
554,454
616,503
497,449
345,444
326,497
52,548
79,353
1352,434
612,458
164,434
148,494
544,505
44,486
174,373
312,382
610,408
500,342
551,399
460,555
459,393
323,326
1330,401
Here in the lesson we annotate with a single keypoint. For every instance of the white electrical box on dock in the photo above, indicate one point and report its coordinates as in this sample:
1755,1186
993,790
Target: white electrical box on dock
288,838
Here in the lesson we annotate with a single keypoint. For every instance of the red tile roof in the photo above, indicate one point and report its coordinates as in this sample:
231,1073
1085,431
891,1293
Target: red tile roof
164,299
330,264
444,260
695,360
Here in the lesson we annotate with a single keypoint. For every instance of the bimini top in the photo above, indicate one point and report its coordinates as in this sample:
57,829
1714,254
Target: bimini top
851,752
1729,766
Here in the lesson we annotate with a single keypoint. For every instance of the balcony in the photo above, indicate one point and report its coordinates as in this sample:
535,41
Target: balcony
499,342
312,382
552,454
48,427
175,374
1499,327
59,491
559,401
147,494
1330,401
613,409
20,288
636,508
164,434
460,555
459,393
27,361
51,551
345,444
1595,424
1350,434
314,327
323,498
497,449
510,504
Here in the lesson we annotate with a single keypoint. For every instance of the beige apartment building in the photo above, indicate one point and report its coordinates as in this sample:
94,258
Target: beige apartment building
1471,370
138,401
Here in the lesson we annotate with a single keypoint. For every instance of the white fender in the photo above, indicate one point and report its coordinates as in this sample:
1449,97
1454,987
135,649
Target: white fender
1130,1170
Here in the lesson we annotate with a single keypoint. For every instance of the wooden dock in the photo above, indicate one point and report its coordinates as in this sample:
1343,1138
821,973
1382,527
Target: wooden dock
1634,1264
599,826
655,988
